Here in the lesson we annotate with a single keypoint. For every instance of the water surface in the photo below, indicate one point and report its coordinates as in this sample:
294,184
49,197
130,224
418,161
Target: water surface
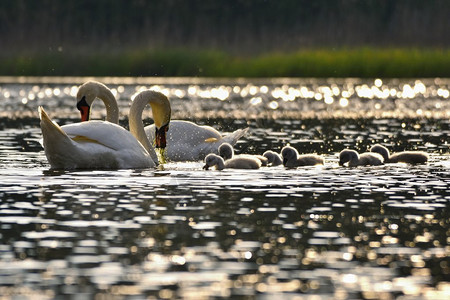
181,232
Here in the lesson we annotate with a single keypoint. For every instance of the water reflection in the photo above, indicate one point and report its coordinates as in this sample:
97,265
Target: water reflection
181,232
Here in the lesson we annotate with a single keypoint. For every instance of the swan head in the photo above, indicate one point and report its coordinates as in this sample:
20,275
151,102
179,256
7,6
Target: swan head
288,153
161,113
212,160
86,94
226,151
347,156
160,136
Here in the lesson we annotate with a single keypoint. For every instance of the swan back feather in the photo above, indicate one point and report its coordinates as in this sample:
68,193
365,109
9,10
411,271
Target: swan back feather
187,141
88,147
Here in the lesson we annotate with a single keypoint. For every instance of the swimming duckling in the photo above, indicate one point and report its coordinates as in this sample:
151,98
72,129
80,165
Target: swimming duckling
242,162
292,159
226,151
354,159
273,158
409,157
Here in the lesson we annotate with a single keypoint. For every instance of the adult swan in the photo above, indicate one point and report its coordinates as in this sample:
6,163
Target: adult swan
104,145
187,141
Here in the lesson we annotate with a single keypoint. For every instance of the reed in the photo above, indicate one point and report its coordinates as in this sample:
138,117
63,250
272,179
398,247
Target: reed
345,62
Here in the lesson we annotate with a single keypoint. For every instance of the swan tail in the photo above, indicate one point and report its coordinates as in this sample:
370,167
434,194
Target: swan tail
211,145
57,144
233,137
48,125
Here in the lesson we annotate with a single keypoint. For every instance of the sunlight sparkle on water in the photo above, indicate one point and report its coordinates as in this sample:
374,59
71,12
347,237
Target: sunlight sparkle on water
273,105
293,96
256,100
343,102
443,93
181,232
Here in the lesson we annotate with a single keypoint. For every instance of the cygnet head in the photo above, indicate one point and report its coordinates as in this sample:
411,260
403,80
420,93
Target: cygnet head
273,158
212,160
381,150
226,151
348,156
288,153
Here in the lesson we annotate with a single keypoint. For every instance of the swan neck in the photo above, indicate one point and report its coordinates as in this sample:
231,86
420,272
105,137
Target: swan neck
137,125
112,109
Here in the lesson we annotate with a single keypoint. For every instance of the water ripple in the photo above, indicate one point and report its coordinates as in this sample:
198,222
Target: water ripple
182,232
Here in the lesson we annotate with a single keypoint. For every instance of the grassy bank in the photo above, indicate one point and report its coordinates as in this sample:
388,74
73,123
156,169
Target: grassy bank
359,62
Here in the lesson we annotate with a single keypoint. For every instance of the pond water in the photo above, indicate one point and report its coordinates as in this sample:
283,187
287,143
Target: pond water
181,232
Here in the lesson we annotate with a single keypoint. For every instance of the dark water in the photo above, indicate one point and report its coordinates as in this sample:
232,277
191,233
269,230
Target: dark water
180,232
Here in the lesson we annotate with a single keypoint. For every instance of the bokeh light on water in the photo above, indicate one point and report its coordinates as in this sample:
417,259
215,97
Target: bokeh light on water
259,98
181,232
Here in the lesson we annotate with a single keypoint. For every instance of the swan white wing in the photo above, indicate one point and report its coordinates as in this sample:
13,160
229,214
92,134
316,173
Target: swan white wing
187,141
106,133
92,145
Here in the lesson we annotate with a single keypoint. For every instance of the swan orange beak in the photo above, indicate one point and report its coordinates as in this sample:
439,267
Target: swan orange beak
84,109
160,136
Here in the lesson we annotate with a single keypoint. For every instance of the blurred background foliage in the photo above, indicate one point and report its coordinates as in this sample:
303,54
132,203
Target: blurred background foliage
254,38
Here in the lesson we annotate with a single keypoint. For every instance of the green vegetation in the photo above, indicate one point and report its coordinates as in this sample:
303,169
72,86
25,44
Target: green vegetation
357,62
371,38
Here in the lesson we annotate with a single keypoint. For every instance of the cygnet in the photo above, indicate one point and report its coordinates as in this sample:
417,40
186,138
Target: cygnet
292,159
354,159
226,151
273,158
409,157
241,162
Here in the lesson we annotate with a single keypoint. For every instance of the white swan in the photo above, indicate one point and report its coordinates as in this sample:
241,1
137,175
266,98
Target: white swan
409,157
243,162
187,141
355,159
273,158
91,90
226,151
104,145
292,159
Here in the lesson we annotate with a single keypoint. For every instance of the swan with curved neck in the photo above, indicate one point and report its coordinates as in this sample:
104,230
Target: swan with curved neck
354,159
104,145
409,157
161,116
187,141
91,90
